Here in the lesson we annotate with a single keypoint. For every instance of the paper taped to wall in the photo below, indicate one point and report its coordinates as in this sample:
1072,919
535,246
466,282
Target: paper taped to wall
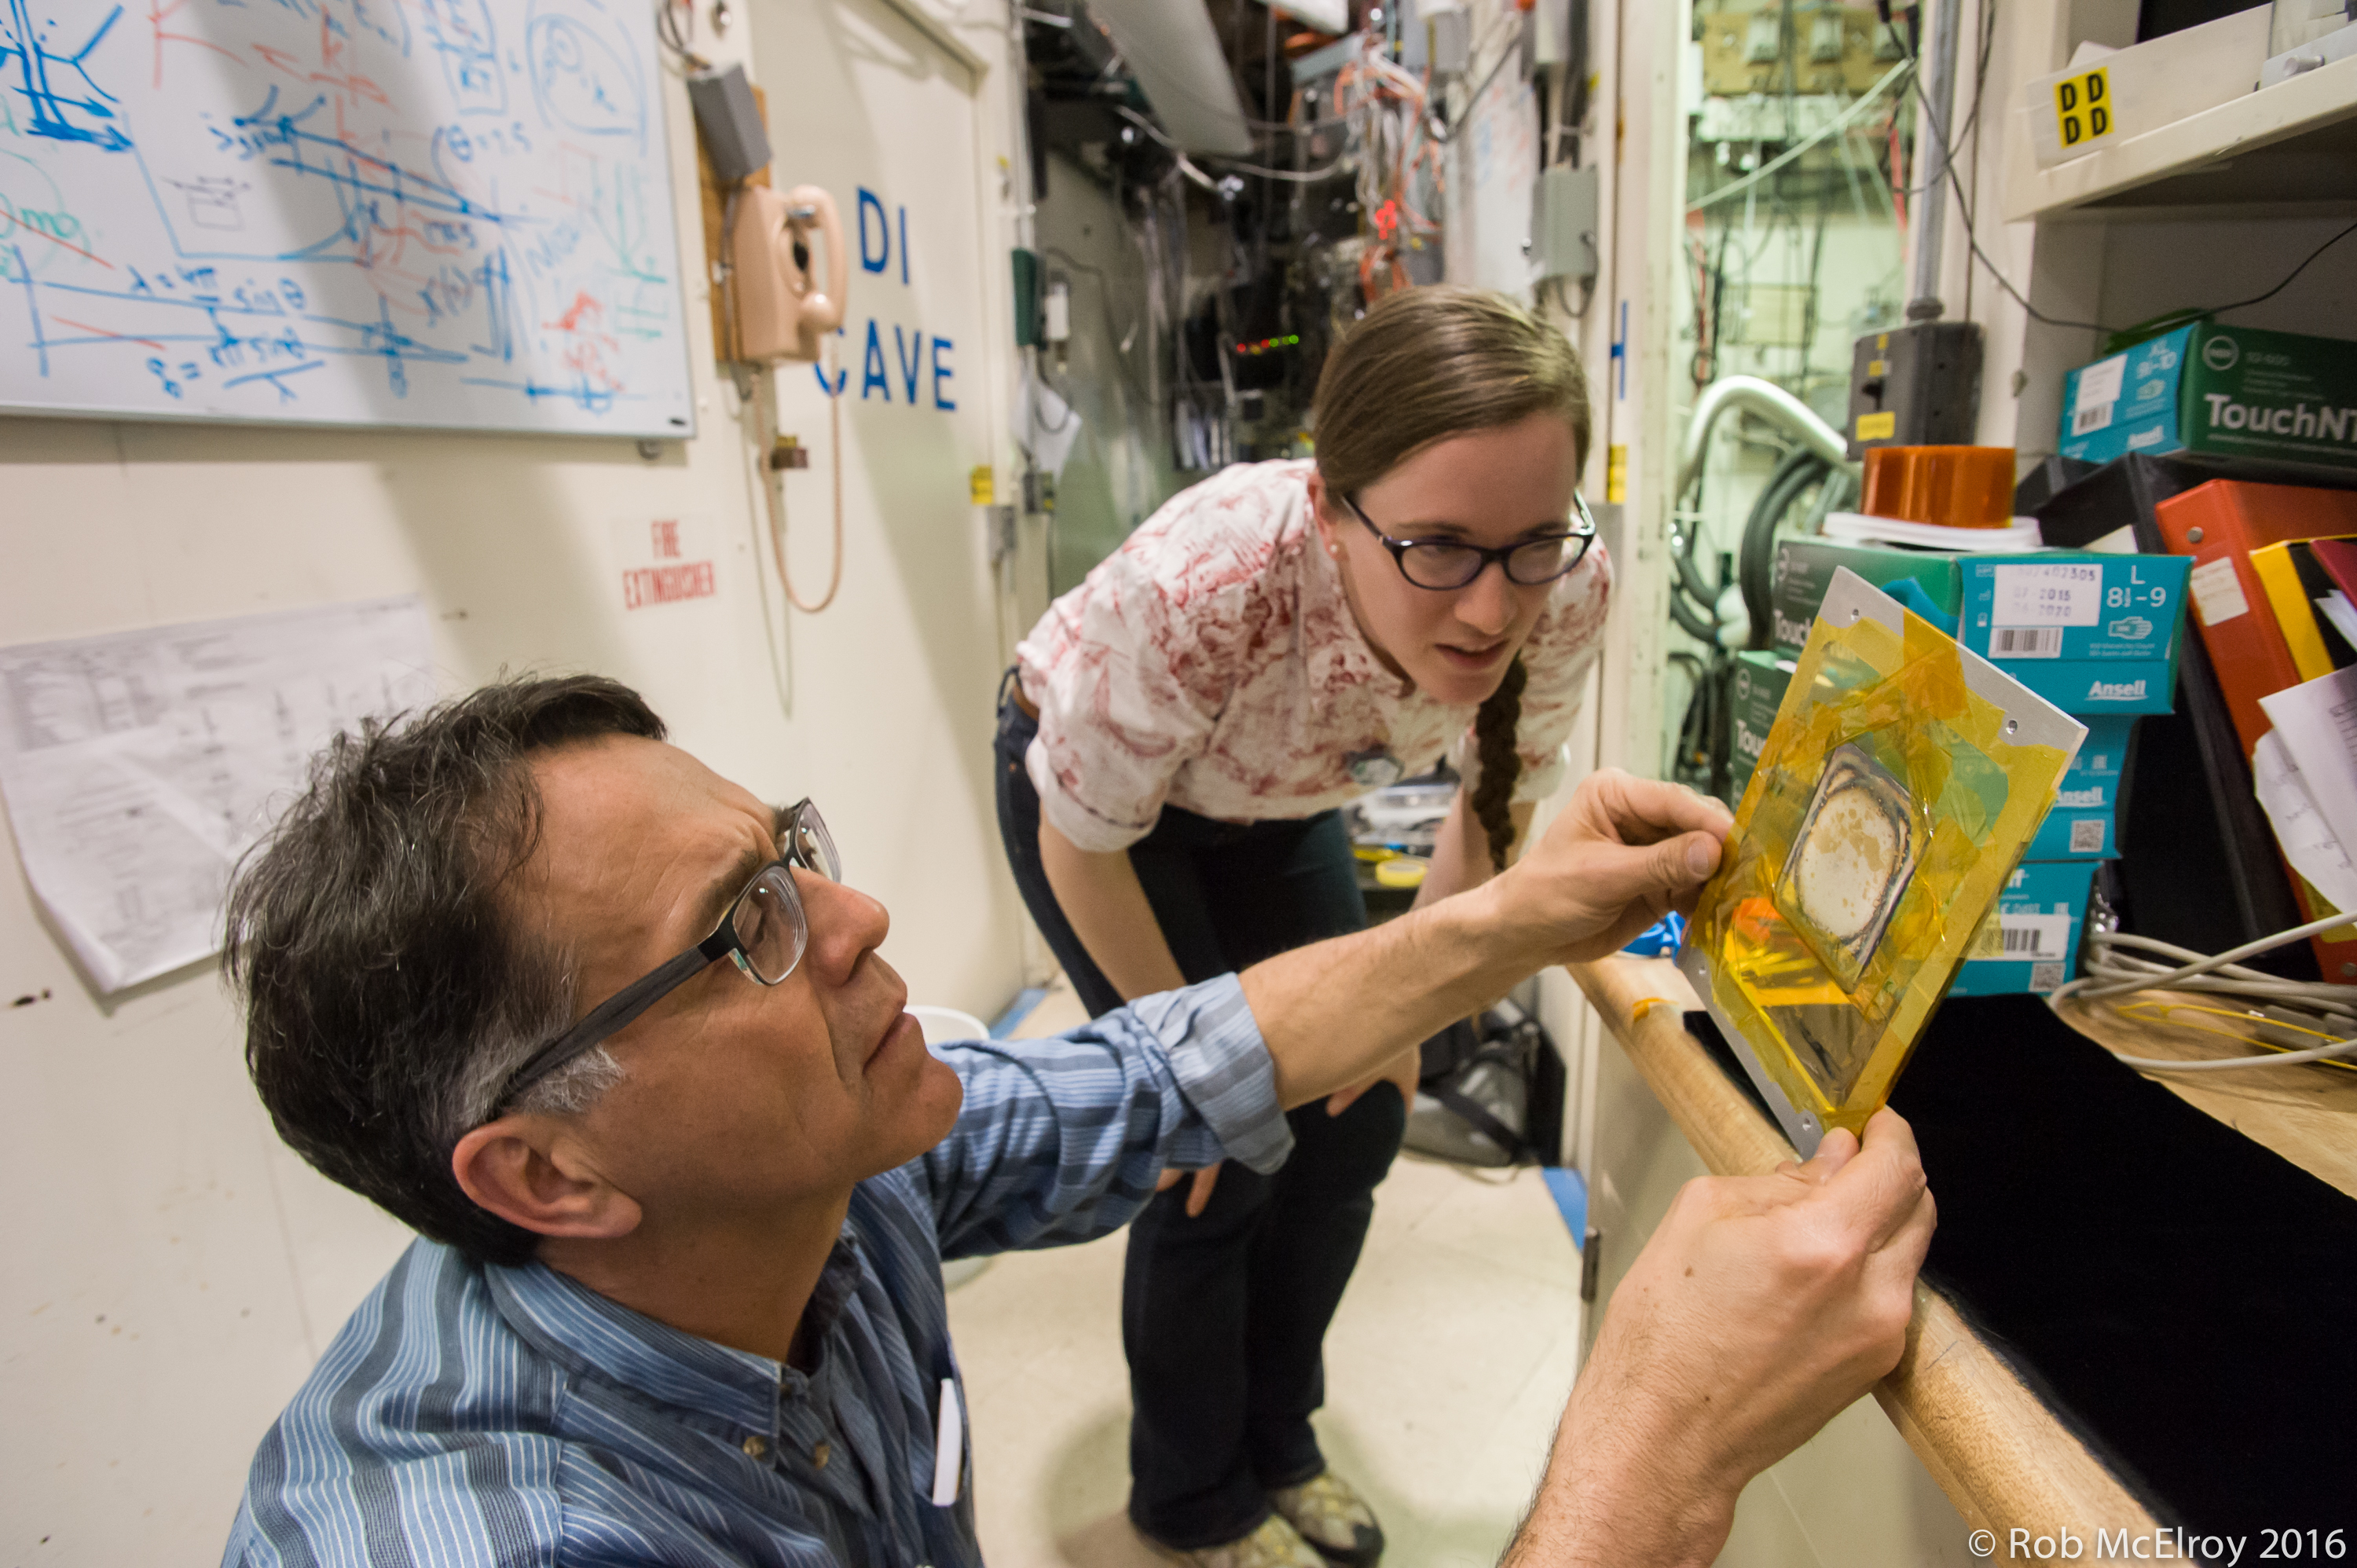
138,766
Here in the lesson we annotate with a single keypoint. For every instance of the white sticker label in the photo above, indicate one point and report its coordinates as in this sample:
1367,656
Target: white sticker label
2027,642
2034,936
2048,595
2100,384
2217,592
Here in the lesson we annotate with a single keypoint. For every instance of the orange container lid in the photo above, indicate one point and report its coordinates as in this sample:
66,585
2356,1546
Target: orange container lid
1956,487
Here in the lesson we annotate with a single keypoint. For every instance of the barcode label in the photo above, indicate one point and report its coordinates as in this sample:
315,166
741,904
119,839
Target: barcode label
2026,642
2090,417
2045,976
2087,836
2022,937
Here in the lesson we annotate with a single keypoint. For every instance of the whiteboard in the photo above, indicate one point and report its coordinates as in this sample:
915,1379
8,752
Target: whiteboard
451,214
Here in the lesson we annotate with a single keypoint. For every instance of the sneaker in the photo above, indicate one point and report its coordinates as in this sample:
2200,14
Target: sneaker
1275,1544
1337,1522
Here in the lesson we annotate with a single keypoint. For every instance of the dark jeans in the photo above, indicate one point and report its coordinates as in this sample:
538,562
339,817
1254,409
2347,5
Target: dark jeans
1222,1315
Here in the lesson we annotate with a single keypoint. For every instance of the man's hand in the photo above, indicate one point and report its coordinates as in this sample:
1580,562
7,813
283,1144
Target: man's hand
1761,1308
1624,852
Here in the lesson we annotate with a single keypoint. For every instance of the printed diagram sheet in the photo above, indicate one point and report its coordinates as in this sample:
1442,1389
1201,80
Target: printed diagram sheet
138,766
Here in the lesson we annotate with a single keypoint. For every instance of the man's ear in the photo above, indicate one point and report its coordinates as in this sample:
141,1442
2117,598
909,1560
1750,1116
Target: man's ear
530,1172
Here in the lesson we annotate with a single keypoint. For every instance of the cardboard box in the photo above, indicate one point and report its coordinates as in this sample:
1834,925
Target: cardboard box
1756,692
2091,633
2104,629
2074,605
1805,568
2031,943
2086,688
2093,782
2073,834
2231,391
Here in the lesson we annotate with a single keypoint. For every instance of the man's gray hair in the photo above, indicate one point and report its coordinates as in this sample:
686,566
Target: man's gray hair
389,992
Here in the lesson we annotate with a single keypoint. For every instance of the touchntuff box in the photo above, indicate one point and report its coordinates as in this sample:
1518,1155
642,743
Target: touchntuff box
1805,568
2231,391
2031,942
1757,690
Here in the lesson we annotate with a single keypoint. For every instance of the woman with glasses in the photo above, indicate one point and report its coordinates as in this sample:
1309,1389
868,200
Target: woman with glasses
1175,742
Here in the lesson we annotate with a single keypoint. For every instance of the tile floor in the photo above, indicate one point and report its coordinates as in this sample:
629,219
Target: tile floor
1446,1368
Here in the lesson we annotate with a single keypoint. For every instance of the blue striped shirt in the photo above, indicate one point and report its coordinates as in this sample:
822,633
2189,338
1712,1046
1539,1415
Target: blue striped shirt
470,1413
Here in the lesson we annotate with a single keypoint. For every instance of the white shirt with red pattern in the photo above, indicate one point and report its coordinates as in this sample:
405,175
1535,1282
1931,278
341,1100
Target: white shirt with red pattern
1211,663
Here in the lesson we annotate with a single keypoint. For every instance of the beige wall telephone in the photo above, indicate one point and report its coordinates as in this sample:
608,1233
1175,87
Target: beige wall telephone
774,306
782,314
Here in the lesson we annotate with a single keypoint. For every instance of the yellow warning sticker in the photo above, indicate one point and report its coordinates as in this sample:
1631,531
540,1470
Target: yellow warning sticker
1878,427
2083,107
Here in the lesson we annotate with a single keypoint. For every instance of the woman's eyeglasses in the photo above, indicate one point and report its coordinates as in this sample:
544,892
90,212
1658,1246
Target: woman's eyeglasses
1444,563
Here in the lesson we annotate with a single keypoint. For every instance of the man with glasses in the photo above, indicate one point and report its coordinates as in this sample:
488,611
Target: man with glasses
678,1295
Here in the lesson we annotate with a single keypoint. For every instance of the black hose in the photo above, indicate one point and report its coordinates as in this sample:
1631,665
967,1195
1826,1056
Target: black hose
1693,625
1756,563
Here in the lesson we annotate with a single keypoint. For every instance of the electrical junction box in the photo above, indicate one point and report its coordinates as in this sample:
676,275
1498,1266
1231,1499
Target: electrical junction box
1449,41
2105,97
2031,942
1836,51
1562,223
1024,265
1918,385
2231,391
729,121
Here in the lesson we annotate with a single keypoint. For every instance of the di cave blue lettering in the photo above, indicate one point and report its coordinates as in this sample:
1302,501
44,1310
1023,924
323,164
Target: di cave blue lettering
904,247
879,257
871,369
941,373
911,356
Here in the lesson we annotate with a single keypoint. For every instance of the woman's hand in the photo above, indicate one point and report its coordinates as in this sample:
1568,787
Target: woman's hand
1624,852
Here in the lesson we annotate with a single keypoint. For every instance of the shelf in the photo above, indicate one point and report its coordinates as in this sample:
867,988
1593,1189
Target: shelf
2295,142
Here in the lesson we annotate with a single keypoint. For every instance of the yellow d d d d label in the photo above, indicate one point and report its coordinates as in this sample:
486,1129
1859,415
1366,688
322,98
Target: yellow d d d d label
2083,107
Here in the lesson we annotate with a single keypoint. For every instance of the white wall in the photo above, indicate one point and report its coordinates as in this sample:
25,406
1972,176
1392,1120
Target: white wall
172,1273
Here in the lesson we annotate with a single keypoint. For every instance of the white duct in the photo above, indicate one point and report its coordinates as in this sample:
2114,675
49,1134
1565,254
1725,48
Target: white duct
1172,50
1769,401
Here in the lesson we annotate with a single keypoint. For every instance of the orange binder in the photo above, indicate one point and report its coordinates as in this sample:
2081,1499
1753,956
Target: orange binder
2219,525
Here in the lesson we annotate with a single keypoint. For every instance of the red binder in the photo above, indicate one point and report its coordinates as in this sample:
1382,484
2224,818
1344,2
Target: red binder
2219,525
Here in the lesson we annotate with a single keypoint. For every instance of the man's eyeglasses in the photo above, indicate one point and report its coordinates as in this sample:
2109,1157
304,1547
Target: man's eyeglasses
765,929
1441,563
